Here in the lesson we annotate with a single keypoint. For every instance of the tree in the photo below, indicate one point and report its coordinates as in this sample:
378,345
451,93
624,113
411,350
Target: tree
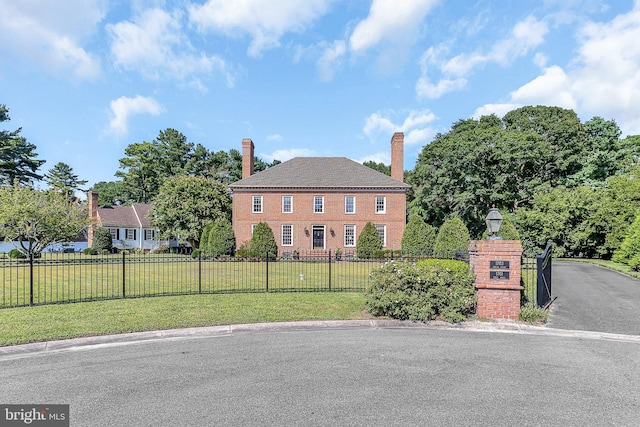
34,219
418,237
185,204
62,180
369,241
110,193
221,239
453,236
140,178
630,247
17,156
262,242
380,167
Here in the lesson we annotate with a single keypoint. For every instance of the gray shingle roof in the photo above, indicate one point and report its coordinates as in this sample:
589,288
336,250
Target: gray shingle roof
319,172
125,216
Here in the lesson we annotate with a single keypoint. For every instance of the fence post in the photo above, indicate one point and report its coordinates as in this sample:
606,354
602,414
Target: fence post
30,279
199,272
124,293
329,270
267,281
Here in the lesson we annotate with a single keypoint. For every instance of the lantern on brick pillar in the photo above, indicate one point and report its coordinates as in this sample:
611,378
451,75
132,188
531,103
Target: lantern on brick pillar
494,222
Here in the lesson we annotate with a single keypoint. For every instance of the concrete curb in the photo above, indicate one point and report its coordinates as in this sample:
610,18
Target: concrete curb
76,344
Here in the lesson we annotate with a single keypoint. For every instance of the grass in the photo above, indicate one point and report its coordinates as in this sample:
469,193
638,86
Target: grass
67,279
63,321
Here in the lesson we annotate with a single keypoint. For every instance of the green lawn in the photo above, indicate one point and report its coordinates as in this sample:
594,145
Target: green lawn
62,321
93,278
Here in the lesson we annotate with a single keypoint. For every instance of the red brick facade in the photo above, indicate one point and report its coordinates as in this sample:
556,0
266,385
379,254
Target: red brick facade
384,205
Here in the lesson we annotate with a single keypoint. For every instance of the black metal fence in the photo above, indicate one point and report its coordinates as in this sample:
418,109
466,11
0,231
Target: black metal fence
60,278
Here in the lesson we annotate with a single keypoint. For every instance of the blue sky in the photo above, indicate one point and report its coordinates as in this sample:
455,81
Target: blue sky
86,78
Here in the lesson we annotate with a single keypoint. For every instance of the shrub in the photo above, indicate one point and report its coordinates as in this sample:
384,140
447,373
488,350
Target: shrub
530,313
196,253
102,240
422,292
452,237
204,238
16,254
368,242
418,237
90,251
630,246
262,241
164,249
221,239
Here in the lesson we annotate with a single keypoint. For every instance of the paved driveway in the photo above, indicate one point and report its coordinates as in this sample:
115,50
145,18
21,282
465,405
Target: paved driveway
363,375
592,298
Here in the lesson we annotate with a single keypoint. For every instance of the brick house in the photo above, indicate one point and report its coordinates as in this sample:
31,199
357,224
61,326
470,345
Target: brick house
129,225
321,203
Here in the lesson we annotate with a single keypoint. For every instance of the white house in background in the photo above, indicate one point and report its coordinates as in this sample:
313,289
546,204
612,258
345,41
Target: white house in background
129,225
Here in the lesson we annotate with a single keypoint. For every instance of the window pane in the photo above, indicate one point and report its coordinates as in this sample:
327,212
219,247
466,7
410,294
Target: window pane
350,204
380,204
257,204
381,232
287,204
349,235
131,234
287,235
318,204
114,233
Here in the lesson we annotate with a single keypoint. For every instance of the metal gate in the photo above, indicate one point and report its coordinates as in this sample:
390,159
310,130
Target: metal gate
543,288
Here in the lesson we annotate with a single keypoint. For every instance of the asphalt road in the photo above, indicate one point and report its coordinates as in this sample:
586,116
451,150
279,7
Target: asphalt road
592,298
358,375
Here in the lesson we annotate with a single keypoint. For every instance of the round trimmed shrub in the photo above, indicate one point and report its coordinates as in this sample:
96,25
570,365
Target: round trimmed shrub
221,239
16,254
262,241
418,237
102,240
368,242
453,236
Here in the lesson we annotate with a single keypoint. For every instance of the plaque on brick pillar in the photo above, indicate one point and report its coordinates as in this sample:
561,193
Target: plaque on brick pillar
496,265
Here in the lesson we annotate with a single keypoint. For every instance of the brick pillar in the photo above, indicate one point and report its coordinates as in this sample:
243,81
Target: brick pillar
397,156
497,264
247,158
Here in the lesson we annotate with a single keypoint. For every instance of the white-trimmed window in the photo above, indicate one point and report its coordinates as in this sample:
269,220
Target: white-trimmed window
287,204
253,226
383,235
115,235
149,234
131,234
350,204
287,235
349,235
381,204
257,204
318,204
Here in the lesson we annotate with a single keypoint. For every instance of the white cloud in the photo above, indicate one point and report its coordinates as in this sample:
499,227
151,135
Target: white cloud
263,20
525,36
124,107
52,33
154,45
498,109
330,59
603,80
382,157
390,20
414,126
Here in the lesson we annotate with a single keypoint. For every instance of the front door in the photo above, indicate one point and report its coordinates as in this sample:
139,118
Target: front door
318,237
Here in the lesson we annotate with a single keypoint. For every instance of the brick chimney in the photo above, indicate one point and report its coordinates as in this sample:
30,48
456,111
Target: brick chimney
92,199
247,157
397,156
